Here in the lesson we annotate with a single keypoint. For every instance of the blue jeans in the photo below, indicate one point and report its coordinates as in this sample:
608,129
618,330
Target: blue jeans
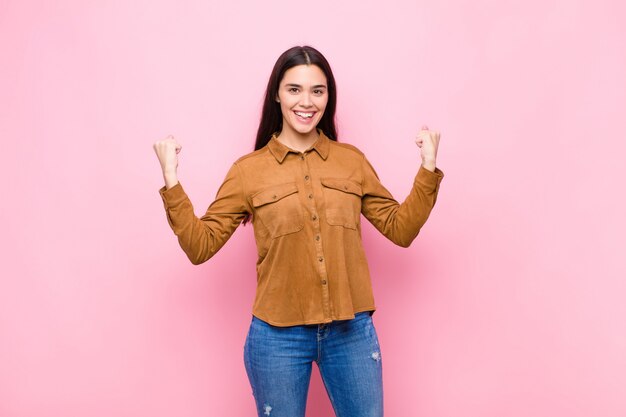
278,362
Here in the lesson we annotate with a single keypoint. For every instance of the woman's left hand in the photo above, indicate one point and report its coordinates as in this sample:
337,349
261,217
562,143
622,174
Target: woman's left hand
428,142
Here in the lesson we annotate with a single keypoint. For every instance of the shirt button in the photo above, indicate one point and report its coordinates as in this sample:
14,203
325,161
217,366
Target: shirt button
310,195
302,157
274,197
314,217
320,259
306,177
323,282
317,237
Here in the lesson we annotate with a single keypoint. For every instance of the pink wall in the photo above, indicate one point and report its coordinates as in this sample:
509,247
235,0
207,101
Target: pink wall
511,301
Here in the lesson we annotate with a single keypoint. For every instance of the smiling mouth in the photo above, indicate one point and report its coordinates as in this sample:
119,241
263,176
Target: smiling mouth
305,115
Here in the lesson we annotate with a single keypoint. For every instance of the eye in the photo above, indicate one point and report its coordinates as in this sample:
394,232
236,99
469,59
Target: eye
318,92
293,90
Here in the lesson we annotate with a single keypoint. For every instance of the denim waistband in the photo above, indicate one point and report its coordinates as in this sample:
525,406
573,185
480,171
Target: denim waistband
359,315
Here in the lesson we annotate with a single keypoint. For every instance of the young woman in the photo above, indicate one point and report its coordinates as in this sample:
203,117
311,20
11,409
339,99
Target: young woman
304,193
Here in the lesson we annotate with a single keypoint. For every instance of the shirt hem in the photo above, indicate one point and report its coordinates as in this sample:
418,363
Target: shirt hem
309,322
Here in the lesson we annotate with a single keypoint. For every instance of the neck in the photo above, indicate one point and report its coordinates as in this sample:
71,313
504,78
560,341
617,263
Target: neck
296,140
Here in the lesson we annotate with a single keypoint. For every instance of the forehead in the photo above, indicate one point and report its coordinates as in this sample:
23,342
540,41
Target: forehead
304,75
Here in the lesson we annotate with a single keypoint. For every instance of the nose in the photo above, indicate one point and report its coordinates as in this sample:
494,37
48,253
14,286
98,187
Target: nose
306,100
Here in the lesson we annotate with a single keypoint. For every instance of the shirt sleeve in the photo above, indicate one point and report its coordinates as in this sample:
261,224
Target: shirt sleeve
200,238
400,223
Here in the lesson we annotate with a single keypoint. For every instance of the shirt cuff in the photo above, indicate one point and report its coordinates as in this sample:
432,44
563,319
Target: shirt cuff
173,196
429,178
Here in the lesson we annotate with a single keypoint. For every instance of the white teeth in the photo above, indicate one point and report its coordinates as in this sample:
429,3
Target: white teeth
304,114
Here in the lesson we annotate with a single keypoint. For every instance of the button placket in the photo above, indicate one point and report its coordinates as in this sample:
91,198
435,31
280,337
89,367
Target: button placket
319,252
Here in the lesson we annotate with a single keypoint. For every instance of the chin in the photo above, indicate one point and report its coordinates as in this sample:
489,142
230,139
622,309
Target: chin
306,131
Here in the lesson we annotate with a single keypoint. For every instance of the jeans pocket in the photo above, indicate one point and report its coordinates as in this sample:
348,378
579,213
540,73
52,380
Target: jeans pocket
372,331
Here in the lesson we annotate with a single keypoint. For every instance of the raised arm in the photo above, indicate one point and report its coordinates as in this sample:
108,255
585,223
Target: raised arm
200,238
401,223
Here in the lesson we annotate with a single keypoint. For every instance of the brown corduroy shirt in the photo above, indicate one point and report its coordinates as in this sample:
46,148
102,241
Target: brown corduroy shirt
305,209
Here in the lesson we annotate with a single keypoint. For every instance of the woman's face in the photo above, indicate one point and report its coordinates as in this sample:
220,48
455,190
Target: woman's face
303,95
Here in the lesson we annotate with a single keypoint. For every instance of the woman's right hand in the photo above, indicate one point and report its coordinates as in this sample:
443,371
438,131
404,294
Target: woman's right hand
167,151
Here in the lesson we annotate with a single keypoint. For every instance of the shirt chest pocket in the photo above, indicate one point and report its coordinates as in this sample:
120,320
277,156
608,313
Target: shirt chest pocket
279,209
343,202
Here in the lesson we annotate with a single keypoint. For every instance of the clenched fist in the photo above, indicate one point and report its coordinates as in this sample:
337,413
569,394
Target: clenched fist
167,151
428,142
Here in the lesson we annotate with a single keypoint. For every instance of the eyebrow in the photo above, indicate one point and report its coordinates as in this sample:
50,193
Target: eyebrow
299,86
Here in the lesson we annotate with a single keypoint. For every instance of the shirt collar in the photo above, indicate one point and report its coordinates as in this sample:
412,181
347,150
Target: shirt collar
280,151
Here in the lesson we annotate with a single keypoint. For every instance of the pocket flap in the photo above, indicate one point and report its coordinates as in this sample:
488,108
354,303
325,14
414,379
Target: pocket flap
342,184
273,194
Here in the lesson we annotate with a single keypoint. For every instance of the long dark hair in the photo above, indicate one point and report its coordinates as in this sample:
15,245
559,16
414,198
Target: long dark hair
271,116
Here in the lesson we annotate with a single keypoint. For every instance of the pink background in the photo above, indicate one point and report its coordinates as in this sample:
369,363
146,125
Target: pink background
509,303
